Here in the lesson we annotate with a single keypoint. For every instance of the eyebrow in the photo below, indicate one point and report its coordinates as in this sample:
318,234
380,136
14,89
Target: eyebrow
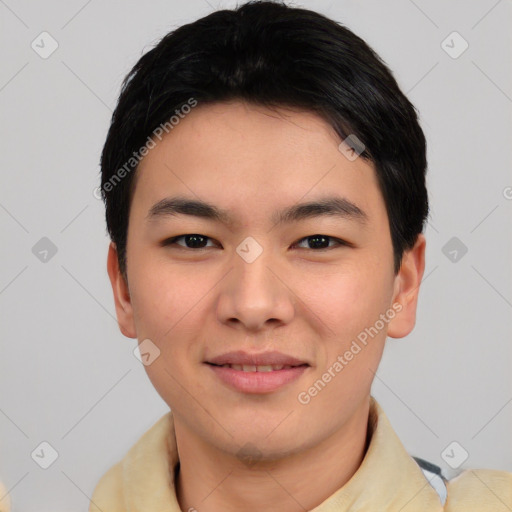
335,206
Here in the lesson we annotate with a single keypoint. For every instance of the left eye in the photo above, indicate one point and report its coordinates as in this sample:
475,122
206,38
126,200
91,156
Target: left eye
196,241
319,241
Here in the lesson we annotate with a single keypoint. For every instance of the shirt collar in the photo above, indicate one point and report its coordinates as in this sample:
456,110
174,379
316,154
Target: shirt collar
387,479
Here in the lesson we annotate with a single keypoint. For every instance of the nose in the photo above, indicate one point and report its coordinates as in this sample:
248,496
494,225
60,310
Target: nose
254,295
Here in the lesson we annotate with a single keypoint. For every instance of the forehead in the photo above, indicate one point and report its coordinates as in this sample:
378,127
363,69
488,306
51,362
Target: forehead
239,155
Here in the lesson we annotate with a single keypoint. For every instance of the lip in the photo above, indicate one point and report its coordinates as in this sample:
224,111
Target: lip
257,382
261,359
253,381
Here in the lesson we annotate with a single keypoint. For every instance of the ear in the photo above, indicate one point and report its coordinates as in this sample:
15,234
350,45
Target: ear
122,299
407,287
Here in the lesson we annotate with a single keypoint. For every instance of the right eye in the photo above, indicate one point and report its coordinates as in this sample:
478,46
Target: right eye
192,241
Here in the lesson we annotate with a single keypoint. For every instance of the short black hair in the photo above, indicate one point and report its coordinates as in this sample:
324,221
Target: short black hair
272,55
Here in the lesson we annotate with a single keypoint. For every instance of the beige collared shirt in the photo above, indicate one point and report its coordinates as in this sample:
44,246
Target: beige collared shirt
388,479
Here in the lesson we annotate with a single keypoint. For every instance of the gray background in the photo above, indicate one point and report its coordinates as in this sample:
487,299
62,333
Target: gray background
67,374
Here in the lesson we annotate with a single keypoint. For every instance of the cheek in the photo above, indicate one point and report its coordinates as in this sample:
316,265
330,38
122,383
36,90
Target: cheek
164,308
347,300
170,305
161,295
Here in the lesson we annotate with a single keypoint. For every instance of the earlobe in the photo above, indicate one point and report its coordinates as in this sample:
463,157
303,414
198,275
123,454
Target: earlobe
407,287
122,299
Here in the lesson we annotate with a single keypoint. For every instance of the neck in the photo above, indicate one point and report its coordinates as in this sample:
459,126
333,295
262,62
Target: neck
211,480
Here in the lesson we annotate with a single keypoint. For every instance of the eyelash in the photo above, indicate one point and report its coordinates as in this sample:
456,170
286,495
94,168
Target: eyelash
339,241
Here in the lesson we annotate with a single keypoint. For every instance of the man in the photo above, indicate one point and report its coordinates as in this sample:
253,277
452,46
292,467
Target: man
264,181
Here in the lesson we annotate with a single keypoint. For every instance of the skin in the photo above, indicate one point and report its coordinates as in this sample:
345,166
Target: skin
306,302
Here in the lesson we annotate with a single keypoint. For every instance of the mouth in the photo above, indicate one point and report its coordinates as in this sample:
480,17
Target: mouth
256,373
258,368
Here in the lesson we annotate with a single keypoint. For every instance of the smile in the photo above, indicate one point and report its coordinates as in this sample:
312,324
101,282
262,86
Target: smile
259,368
257,378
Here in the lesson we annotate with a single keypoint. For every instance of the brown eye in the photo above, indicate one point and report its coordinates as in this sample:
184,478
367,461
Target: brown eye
321,242
192,241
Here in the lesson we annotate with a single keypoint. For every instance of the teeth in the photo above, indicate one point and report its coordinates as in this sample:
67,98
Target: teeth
266,368
259,368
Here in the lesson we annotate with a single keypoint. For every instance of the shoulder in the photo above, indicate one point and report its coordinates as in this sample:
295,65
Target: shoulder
473,490
108,493
5,500
479,490
136,473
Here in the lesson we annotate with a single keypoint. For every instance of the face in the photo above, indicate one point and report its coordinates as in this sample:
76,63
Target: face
255,271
